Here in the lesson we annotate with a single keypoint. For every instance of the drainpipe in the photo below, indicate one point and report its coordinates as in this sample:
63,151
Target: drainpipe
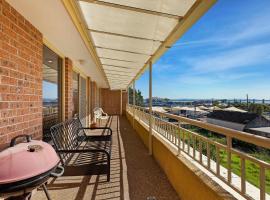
150,109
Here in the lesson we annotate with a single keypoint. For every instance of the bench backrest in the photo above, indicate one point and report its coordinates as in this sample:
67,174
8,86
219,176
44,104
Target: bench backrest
67,135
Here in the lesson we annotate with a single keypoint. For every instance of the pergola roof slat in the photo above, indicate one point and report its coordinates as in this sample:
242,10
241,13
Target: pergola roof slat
123,35
132,8
128,34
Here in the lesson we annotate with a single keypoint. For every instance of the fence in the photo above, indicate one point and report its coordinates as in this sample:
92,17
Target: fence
216,157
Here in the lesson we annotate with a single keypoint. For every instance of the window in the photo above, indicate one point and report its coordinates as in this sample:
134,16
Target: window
83,101
75,90
52,66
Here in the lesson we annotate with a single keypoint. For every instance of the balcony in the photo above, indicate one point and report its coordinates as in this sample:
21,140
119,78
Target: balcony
134,174
175,169
242,175
93,57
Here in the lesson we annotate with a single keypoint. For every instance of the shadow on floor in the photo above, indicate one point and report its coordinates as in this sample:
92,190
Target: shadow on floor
134,174
145,177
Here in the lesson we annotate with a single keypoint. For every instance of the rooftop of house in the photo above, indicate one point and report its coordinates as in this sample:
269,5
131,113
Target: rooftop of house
261,129
233,116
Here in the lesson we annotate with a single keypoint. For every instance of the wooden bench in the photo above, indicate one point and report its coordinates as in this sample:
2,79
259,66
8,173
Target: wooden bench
70,138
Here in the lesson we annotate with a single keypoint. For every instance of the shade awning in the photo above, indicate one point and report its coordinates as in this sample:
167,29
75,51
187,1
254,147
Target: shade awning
127,34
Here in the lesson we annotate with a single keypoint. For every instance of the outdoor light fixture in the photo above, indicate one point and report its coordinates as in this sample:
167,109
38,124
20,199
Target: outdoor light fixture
81,61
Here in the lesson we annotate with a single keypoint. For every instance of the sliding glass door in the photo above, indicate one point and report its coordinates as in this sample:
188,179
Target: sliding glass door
83,101
51,90
75,91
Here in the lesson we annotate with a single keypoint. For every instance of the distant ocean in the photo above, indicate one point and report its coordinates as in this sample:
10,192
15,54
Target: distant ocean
50,102
225,100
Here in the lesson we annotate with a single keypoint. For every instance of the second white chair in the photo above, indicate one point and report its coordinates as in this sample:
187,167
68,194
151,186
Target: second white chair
99,115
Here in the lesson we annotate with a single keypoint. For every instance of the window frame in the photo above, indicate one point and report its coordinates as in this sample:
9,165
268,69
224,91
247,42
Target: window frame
60,84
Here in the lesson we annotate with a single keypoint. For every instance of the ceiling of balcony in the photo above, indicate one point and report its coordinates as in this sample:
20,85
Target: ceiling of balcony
54,22
116,39
127,34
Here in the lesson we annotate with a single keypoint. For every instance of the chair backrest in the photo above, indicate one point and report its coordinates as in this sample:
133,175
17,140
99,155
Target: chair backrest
67,136
98,112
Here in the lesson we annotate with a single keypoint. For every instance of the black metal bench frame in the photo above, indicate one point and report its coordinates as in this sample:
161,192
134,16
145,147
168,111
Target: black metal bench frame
68,137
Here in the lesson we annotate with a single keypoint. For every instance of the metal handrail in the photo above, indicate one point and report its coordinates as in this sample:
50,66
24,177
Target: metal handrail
240,135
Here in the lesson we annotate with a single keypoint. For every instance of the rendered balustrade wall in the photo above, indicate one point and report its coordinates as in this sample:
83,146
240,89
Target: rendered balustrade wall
188,181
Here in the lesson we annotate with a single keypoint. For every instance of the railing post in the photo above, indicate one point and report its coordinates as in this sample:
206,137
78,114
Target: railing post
139,114
179,138
150,109
243,176
121,102
165,129
229,158
133,103
128,95
262,183
218,161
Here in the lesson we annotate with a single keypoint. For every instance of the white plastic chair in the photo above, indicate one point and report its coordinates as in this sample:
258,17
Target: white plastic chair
99,115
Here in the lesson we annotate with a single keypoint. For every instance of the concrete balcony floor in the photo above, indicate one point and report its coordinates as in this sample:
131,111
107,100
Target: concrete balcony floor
134,174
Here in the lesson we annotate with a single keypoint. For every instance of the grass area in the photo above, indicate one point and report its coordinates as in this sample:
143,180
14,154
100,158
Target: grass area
252,170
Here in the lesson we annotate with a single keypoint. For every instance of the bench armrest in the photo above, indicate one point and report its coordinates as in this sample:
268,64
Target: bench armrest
94,128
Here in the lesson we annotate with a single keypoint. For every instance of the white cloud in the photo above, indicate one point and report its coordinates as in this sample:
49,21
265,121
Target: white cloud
233,67
196,79
241,57
253,28
199,42
160,67
237,76
213,78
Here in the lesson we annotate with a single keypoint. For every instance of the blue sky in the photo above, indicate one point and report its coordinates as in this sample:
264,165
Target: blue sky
49,90
226,54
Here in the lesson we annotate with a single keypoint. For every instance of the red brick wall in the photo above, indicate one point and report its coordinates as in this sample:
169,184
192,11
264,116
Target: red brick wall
68,89
124,102
110,101
20,76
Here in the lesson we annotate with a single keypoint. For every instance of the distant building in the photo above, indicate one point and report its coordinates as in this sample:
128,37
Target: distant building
158,109
262,131
190,112
248,122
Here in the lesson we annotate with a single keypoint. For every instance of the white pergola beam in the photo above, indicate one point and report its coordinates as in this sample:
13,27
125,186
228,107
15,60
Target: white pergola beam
134,9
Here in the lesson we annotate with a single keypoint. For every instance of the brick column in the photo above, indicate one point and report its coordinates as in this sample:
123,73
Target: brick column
20,76
68,89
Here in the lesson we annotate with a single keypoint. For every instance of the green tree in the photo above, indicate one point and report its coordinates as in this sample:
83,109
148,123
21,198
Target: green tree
260,109
138,97
166,99
215,103
256,108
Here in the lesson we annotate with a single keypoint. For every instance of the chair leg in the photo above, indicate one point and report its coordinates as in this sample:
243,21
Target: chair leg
109,170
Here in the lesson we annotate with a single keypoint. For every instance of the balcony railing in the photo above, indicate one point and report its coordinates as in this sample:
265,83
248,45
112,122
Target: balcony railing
217,158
